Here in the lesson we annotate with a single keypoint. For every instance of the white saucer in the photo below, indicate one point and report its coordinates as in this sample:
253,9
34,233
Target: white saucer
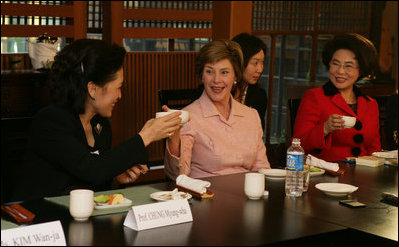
336,189
273,173
167,195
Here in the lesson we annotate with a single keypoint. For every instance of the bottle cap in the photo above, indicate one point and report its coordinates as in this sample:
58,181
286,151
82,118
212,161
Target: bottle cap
296,140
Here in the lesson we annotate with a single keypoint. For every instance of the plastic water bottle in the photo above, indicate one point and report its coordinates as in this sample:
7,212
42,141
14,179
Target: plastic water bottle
294,169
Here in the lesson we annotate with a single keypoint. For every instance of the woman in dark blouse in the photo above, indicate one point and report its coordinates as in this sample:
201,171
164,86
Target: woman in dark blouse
70,141
247,91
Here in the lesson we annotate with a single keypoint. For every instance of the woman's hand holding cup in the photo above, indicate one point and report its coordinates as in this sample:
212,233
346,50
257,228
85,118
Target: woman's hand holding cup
334,122
157,129
338,122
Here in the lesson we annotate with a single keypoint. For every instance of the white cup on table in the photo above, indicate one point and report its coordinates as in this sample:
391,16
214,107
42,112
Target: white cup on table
81,204
184,115
254,187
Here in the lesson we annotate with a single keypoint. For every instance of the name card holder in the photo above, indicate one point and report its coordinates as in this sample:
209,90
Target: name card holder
50,234
158,214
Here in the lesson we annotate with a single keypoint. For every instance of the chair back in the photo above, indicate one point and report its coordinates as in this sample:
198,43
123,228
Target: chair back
177,98
388,109
293,105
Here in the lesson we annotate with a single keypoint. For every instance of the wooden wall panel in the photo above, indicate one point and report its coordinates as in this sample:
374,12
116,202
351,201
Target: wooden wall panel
146,73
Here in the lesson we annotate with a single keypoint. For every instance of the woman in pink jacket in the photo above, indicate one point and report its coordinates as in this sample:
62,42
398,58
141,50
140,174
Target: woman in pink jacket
319,123
223,136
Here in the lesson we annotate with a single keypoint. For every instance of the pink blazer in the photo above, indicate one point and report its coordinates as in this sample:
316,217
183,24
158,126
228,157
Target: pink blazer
212,145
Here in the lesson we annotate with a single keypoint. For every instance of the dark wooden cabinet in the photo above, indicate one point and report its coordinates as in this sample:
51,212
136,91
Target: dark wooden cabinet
23,93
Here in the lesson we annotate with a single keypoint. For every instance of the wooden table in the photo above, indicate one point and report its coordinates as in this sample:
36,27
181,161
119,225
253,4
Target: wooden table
231,219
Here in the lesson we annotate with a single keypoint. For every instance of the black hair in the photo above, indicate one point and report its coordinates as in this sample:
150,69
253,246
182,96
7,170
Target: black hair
79,63
250,45
364,50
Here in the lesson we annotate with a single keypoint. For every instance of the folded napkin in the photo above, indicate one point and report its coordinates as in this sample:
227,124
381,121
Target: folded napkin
193,184
387,154
313,161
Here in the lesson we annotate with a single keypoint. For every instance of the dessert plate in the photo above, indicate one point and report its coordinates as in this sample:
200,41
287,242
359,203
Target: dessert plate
317,173
105,205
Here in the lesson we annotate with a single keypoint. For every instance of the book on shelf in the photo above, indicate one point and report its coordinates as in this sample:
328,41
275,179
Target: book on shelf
369,161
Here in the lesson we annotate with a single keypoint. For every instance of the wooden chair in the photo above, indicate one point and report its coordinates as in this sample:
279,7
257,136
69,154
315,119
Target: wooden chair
293,105
388,108
14,141
178,98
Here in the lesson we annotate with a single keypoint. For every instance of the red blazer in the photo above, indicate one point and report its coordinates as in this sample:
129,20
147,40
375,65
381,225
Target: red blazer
317,105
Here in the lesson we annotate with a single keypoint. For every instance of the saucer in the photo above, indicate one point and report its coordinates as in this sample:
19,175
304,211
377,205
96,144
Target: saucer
273,173
336,189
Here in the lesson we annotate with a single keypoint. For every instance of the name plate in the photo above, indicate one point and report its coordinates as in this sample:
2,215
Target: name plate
50,234
158,214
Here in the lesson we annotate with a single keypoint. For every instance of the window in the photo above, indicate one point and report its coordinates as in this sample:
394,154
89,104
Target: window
162,45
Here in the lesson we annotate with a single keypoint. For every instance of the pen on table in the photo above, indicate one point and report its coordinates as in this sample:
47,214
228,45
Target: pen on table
16,212
350,161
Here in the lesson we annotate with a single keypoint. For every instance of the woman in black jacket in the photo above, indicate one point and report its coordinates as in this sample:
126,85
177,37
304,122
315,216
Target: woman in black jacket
70,141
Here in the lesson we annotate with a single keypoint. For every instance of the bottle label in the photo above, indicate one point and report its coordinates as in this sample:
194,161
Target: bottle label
295,162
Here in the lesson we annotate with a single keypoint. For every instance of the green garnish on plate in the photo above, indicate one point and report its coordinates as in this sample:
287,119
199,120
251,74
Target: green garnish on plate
101,199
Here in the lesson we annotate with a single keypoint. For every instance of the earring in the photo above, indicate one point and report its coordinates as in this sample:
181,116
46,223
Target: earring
235,82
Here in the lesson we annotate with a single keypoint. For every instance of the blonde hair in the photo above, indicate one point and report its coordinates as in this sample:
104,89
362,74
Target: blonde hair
218,50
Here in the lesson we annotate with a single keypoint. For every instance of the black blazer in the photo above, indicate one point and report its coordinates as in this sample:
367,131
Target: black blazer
257,99
59,158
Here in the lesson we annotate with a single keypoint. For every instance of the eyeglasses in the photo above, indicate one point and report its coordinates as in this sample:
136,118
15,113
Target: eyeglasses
347,67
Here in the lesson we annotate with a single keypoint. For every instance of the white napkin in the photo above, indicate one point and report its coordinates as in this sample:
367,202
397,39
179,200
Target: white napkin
193,184
387,154
313,161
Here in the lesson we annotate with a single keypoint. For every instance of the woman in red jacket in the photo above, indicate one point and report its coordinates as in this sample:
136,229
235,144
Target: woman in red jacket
319,123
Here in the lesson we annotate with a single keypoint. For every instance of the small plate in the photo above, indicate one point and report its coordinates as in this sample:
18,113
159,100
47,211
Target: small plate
336,189
167,195
105,205
273,173
317,173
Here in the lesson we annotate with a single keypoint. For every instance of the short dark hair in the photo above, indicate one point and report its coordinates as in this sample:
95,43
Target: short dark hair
250,45
79,63
218,50
364,50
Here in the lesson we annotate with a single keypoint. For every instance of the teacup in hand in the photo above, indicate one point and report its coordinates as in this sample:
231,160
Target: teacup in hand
349,121
81,204
184,115
254,187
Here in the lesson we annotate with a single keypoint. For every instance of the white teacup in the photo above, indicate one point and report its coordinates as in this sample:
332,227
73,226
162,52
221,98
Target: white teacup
349,121
184,115
254,187
81,204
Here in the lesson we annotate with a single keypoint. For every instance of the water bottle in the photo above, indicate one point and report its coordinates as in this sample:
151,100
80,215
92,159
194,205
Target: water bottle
294,169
